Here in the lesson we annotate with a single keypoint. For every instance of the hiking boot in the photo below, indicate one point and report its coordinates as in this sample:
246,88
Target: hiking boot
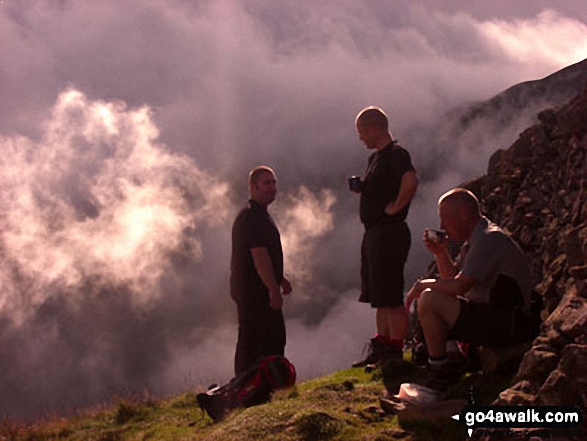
441,378
388,355
374,351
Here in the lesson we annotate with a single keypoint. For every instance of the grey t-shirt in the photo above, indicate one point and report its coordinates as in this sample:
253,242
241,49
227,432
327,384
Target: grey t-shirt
492,252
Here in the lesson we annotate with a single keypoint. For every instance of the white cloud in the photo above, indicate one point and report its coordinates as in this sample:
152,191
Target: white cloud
99,196
549,38
304,217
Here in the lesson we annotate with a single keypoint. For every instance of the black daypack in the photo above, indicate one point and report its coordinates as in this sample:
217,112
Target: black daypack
252,387
527,322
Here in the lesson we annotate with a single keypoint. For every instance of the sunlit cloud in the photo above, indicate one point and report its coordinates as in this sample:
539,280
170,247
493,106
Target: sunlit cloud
98,196
548,37
304,218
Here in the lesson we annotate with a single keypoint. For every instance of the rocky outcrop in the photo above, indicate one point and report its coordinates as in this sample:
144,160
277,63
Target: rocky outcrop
537,190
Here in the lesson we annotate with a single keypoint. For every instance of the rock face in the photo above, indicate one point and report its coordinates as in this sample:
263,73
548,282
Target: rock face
537,190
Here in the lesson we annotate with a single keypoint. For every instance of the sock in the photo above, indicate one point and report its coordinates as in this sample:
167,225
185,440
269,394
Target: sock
397,345
382,338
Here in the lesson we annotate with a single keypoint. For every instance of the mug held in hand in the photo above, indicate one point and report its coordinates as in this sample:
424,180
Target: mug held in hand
355,183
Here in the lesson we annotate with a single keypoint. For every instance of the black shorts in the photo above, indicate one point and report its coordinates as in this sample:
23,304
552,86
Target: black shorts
384,252
483,324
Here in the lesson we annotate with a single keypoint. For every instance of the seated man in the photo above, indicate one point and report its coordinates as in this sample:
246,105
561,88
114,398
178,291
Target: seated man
475,297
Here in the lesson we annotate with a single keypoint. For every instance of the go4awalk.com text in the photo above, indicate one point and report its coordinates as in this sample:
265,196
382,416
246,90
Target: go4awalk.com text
519,417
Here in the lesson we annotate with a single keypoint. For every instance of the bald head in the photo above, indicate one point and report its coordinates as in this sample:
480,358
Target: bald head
262,185
255,173
372,117
372,126
461,198
459,213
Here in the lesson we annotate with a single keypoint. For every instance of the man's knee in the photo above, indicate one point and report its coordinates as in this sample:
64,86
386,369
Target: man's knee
428,302
438,304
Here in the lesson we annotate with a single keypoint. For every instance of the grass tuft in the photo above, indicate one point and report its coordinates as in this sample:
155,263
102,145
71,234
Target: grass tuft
317,426
133,407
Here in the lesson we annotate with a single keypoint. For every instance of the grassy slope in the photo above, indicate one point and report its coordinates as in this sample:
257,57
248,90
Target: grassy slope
340,406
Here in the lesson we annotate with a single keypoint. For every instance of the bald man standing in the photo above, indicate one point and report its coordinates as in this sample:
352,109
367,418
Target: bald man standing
386,192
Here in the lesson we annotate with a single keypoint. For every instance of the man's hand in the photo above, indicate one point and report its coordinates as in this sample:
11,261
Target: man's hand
390,209
423,284
275,300
286,286
275,297
434,247
416,291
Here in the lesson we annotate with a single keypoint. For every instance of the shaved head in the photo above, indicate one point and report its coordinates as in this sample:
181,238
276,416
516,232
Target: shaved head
461,198
258,171
372,116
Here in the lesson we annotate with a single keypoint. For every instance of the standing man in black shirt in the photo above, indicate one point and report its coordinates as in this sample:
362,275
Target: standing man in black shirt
386,192
256,279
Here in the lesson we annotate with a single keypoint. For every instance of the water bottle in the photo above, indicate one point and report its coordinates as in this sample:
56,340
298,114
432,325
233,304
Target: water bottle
408,351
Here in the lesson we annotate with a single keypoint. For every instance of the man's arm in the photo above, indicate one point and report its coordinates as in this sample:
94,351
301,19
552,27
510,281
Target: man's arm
407,189
264,267
446,266
456,286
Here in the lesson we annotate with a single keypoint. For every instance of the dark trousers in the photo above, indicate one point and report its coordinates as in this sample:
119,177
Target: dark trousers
261,332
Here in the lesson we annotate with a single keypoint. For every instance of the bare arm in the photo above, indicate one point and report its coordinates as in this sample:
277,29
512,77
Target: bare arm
407,189
456,286
264,267
446,266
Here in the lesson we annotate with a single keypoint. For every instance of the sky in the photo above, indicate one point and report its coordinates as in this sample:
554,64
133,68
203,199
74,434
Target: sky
127,130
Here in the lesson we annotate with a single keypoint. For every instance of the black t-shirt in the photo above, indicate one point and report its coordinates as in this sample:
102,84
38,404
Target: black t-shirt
252,228
382,183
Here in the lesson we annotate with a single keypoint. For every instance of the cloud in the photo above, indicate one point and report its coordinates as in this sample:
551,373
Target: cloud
548,37
99,196
305,218
210,63
127,132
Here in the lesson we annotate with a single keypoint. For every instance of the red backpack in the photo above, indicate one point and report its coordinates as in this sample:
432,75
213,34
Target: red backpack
252,387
